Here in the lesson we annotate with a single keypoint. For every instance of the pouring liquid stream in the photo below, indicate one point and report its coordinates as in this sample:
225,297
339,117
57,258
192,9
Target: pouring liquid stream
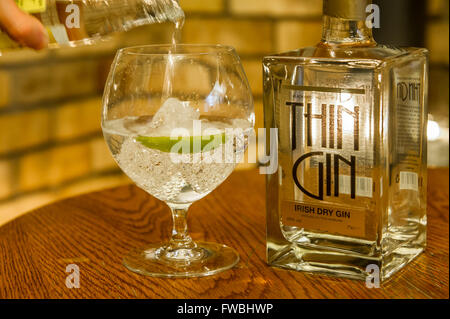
170,66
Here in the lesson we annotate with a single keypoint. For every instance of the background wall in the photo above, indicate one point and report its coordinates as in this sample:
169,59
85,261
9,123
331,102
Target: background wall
51,144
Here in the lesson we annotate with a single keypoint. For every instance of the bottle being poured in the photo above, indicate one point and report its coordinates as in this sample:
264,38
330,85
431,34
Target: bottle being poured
75,22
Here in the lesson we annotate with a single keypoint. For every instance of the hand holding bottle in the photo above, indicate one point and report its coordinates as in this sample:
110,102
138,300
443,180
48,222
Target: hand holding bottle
22,27
56,23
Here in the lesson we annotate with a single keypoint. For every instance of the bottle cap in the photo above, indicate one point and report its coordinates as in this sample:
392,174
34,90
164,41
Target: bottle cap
346,9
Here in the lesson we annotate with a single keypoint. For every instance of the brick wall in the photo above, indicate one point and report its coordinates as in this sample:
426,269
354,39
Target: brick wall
437,35
50,137
50,122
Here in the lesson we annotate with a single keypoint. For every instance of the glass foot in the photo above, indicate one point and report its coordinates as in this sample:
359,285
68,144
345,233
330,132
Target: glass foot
203,259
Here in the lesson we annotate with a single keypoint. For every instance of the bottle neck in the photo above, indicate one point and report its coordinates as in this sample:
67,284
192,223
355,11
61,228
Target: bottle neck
339,31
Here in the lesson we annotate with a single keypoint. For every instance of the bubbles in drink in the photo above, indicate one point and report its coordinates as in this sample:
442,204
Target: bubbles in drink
142,146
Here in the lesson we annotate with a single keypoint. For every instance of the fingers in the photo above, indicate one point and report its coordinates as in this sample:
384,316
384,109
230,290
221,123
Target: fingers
22,27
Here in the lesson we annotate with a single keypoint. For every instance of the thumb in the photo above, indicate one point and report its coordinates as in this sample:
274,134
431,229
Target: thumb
22,27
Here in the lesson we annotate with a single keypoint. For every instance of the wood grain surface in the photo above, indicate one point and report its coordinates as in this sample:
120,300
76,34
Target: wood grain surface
95,230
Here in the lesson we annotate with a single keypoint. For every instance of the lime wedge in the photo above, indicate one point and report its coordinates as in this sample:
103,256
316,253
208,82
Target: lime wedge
166,144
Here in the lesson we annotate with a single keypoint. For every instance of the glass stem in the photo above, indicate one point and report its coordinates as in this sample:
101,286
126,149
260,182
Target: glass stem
180,237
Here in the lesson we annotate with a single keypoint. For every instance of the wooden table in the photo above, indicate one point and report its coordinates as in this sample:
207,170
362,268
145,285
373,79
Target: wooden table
95,230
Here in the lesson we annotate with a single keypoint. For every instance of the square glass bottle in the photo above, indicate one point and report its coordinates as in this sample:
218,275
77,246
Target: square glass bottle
349,195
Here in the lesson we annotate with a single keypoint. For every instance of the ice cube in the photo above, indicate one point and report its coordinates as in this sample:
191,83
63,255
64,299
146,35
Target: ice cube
174,114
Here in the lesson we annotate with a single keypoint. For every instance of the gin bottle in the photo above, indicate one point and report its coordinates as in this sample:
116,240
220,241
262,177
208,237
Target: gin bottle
349,195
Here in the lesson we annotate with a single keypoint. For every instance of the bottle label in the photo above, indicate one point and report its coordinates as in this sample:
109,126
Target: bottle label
408,118
334,219
32,6
58,33
364,186
409,180
408,129
326,149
